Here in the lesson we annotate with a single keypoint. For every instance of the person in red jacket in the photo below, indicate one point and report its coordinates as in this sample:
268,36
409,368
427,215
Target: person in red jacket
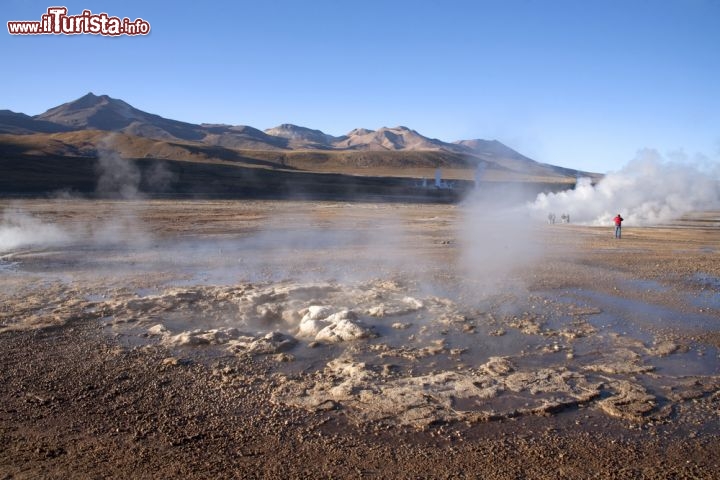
618,225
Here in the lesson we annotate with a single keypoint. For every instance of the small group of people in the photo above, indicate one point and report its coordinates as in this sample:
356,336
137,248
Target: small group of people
564,218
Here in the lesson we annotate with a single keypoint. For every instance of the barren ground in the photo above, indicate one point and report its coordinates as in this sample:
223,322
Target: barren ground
205,339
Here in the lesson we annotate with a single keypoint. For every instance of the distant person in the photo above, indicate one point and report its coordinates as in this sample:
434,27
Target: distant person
618,225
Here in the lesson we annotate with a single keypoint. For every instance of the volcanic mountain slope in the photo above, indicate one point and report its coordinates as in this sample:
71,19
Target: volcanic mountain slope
396,151
92,112
494,151
21,124
303,137
398,138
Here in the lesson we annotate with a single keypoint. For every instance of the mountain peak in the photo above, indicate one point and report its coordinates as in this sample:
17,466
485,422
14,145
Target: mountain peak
94,111
359,131
89,100
300,134
390,138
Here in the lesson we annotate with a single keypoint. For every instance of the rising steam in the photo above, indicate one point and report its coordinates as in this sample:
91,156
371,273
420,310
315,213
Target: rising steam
117,177
496,238
649,190
121,178
19,229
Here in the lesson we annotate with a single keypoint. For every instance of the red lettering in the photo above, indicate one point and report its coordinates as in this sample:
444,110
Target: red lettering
57,21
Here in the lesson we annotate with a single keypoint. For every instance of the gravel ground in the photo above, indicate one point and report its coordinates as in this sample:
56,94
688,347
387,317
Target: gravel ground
77,406
80,400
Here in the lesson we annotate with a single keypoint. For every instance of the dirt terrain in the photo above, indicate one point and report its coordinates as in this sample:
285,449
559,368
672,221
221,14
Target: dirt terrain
260,339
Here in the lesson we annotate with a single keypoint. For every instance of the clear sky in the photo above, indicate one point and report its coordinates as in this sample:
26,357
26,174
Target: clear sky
578,83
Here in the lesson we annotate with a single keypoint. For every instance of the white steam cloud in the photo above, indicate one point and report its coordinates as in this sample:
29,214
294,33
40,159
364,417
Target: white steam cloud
649,190
497,238
19,229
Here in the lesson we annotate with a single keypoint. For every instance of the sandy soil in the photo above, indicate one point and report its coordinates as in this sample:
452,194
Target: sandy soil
159,339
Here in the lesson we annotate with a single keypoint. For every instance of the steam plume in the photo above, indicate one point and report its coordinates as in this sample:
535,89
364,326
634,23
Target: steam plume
18,229
496,238
117,178
649,190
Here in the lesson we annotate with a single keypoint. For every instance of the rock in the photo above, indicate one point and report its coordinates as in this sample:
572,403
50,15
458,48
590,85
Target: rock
620,361
342,315
347,368
321,325
402,306
344,330
529,324
664,349
413,303
272,343
284,357
309,328
215,336
497,366
158,330
631,401
318,312
316,319
186,338
377,311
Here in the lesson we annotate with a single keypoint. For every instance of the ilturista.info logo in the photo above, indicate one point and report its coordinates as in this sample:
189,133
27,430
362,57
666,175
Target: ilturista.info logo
57,22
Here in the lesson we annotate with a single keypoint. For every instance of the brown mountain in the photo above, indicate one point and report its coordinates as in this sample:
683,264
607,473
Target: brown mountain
302,137
398,138
92,112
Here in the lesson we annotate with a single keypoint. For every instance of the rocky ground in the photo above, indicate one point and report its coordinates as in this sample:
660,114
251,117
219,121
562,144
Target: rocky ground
269,340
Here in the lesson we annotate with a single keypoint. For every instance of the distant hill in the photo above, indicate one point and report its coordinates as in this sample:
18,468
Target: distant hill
492,150
21,124
302,137
398,138
92,112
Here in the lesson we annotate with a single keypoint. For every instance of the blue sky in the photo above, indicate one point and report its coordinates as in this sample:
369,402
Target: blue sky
582,84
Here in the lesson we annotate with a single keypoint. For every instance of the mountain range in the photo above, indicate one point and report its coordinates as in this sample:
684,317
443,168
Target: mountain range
103,113
93,112
93,125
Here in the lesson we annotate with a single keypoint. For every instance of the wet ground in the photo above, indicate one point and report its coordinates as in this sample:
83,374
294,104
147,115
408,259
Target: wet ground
399,326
